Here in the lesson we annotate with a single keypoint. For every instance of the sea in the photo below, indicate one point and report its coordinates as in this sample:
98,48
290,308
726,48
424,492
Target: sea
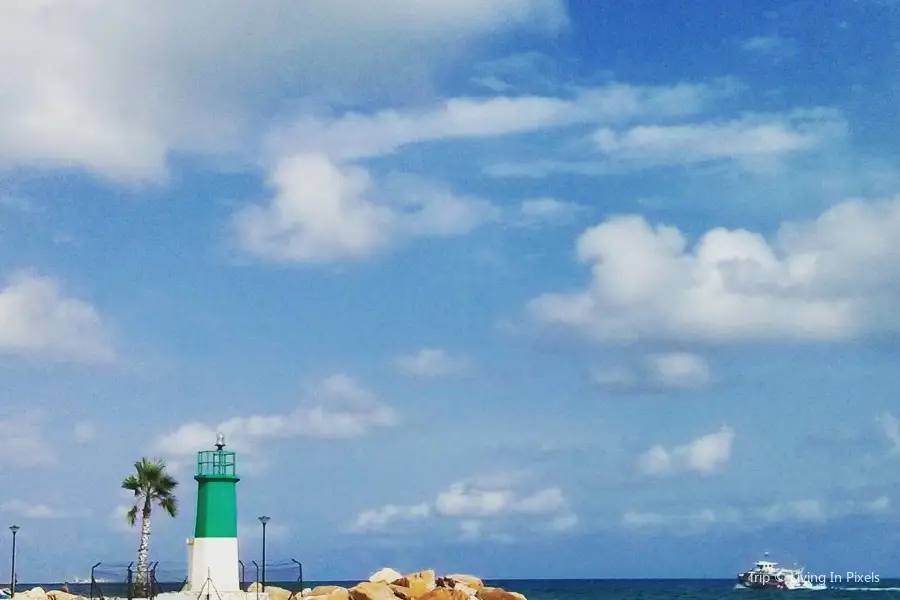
587,589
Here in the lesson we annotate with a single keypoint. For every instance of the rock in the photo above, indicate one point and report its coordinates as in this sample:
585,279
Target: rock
277,593
254,587
324,590
492,593
469,580
385,575
328,592
445,593
404,593
61,595
35,593
372,590
305,592
418,583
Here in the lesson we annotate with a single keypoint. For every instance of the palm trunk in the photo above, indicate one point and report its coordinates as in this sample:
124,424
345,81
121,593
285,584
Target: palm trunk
144,552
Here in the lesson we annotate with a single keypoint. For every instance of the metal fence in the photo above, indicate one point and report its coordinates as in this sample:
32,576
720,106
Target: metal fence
122,580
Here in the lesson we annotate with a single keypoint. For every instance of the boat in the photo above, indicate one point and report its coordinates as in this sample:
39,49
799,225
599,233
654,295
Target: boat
766,574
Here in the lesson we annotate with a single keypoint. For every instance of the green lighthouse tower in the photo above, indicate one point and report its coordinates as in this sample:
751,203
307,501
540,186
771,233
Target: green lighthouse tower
213,551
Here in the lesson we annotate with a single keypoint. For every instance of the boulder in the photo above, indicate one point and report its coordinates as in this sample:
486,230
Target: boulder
445,593
322,590
35,593
385,575
372,590
468,580
492,593
278,593
253,587
327,592
404,593
418,583
61,595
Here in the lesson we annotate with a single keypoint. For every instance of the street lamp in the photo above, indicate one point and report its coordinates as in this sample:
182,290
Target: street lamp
12,568
264,520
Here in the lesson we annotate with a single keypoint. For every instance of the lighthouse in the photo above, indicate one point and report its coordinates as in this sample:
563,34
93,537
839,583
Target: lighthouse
213,551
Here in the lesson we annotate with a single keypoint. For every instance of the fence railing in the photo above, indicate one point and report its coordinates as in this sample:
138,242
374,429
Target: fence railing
122,580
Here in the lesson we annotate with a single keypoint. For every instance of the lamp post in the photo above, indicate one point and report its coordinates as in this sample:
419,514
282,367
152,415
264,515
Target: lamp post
264,520
12,568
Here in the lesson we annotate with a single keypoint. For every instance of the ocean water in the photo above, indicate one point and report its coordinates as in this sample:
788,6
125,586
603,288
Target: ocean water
597,589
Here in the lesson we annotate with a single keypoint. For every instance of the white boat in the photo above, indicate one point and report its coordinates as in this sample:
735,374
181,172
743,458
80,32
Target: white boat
766,574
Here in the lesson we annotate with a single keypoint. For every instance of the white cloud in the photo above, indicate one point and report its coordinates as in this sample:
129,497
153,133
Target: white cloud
25,441
679,370
833,278
84,432
356,136
322,211
539,211
797,510
705,454
674,370
769,45
431,363
38,321
615,377
335,408
475,503
115,89
752,141
117,516
326,207
36,510
792,511
378,519
890,425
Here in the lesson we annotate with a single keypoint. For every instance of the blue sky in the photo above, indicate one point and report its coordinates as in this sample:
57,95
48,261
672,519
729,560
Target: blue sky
513,287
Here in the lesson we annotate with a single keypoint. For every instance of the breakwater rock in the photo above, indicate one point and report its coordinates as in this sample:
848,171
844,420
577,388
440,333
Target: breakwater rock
388,584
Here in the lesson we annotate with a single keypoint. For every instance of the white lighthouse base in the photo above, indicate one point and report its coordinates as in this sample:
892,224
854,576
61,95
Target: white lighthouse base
213,566
212,596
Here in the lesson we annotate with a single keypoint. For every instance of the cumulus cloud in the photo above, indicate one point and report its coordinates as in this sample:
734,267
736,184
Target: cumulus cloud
24,441
38,321
890,426
832,278
674,370
379,518
431,363
706,454
806,510
323,211
114,90
475,504
335,408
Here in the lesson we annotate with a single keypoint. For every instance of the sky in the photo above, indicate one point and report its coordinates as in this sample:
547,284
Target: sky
521,288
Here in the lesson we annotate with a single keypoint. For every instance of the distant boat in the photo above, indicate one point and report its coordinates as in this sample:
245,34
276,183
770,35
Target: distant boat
767,575
80,580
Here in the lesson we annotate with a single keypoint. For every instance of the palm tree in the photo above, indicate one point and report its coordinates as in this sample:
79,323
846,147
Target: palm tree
151,485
